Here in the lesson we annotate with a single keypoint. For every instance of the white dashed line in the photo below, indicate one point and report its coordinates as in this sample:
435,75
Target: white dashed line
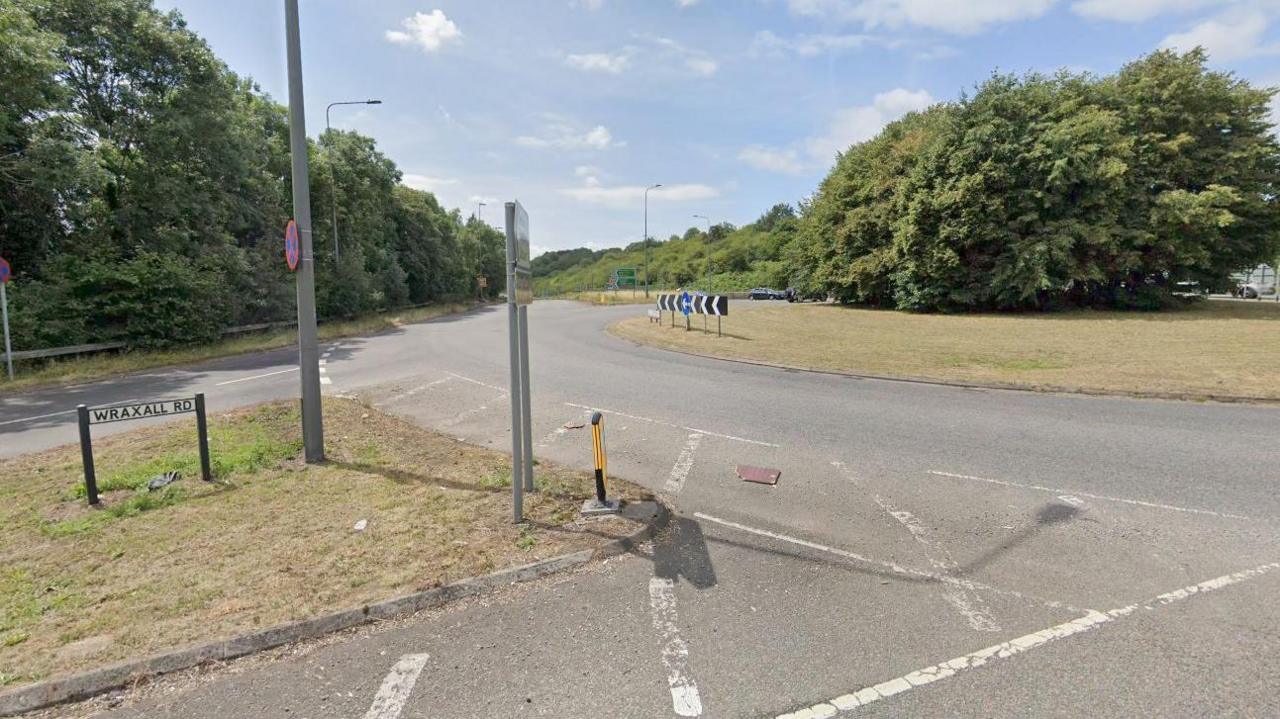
325,380
669,424
684,463
261,376
478,382
675,653
324,362
967,602
395,689
1052,490
1013,647
891,566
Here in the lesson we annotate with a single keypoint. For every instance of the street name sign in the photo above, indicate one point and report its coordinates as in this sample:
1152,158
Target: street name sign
140,410
120,413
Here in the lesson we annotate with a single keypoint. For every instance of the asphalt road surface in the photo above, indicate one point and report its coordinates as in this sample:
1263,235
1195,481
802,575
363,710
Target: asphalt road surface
929,551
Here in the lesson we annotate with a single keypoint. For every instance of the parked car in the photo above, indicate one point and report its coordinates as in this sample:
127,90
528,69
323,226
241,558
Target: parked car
1254,290
765,293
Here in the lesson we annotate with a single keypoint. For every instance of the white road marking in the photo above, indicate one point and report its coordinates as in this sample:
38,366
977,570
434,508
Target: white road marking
416,390
891,566
325,380
967,602
250,379
38,416
324,370
478,382
395,689
675,653
669,424
554,435
684,463
324,362
1013,647
457,418
1052,490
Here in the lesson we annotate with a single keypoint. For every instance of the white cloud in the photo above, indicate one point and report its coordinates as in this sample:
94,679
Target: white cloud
695,61
861,123
614,64
426,183
704,66
1136,10
566,137
767,42
848,126
428,31
632,195
967,17
1231,36
588,4
686,3
786,161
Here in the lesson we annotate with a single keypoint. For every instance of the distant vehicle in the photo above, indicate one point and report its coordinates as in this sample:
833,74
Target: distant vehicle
765,293
1254,290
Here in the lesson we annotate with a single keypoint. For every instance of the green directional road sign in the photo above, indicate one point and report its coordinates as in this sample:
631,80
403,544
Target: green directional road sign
626,276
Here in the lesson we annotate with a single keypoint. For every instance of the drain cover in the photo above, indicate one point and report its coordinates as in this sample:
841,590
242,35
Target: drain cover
759,475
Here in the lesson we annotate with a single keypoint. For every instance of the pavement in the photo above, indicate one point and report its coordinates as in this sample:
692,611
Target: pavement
929,551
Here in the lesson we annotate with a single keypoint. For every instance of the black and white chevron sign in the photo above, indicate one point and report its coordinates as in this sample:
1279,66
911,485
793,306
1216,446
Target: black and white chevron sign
714,305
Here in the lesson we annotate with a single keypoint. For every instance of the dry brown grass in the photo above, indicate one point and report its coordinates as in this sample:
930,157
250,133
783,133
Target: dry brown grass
85,368
1210,350
620,297
272,541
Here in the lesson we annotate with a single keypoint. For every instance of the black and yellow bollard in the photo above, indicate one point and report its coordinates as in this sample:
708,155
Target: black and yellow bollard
601,504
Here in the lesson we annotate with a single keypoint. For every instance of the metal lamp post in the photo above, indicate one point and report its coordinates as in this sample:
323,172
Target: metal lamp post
332,179
708,221
480,206
646,237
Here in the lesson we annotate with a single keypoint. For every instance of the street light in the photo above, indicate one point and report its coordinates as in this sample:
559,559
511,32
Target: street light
646,238
708,221
480,206
332,179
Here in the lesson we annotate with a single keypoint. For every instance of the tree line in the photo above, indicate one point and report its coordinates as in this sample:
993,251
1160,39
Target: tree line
144,191
1033,192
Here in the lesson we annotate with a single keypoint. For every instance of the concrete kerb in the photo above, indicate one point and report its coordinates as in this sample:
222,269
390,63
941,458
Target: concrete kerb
996,386
100,681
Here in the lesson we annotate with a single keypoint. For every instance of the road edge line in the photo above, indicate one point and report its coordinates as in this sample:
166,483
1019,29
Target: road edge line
86,685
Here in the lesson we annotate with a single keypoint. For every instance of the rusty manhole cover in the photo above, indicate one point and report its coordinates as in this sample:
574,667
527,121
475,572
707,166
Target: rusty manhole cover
759,475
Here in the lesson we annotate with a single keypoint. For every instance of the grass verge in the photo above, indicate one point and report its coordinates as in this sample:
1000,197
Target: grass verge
272,540
620,297
84,368
1209,350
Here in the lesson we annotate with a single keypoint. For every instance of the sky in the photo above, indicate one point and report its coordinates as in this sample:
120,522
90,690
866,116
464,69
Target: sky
574,107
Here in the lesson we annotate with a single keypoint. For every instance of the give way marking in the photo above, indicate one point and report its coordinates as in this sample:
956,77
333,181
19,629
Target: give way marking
395,689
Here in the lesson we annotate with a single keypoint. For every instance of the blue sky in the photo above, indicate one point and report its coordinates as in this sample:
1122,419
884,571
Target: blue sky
574,106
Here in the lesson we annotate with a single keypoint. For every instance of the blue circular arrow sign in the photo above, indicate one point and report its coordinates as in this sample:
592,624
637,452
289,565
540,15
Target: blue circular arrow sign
291,245
686,304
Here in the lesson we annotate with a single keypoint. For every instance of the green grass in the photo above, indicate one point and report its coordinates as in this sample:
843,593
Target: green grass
271,541
1214,349
84,368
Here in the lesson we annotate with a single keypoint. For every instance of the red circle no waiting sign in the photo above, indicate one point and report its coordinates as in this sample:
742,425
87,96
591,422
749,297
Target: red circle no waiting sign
6,272
291,251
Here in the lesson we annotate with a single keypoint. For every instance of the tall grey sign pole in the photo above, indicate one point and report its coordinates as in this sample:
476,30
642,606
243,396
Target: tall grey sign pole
8,350
308,351
519,295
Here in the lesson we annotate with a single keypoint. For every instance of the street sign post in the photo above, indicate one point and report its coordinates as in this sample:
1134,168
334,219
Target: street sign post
688,304
519,296
291,245
6,272
140,410
308,342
